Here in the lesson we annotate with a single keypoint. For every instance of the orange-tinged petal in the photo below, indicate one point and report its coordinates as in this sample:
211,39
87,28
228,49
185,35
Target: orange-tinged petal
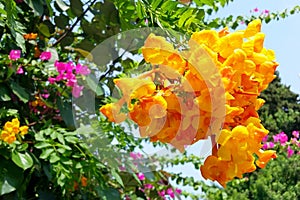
147,109
264,157
156,49
112,112
135,87
207,37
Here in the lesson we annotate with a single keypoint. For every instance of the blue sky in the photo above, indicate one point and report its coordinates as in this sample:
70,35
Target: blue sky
282,36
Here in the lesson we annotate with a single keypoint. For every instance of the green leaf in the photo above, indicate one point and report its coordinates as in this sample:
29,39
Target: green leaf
76,7
4,93
37,6
61,21
139,10
118,178
20,92
187,14
208,2
54,158
169,5
20,41
44,29
71,139
155,4
62,5
61,139
93,86
109,193
23,160
11,176
41,145
46,153
66,113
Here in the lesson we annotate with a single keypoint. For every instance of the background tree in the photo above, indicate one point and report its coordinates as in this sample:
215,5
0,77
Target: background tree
281,112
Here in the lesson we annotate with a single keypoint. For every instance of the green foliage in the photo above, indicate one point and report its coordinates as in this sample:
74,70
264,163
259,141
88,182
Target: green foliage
281,112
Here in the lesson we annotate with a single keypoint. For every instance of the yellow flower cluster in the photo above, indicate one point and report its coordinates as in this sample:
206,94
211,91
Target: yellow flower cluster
209,89
11,129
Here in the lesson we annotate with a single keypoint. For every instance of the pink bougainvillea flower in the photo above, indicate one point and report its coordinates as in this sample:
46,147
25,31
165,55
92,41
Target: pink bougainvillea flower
178,191
20,70
46,55
148,186
161,193
295,134
268,145
45,96
141,176
290,151
255,9
266,12
84,70
135,156
14,54
76,91
281,137
171,192
51,80
265,139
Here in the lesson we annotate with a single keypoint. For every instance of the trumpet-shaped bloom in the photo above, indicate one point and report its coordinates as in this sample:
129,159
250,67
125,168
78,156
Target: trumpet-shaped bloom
180,100
11,129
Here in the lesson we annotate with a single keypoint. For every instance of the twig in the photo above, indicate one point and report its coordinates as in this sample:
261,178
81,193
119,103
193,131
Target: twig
73,26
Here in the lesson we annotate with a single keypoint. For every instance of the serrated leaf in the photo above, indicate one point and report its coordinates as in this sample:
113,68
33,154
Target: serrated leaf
22,160
20,92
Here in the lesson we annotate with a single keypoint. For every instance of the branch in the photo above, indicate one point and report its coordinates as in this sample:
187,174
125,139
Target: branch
73,26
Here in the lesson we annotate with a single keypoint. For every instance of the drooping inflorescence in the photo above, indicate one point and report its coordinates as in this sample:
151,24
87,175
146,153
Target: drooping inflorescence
209,89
